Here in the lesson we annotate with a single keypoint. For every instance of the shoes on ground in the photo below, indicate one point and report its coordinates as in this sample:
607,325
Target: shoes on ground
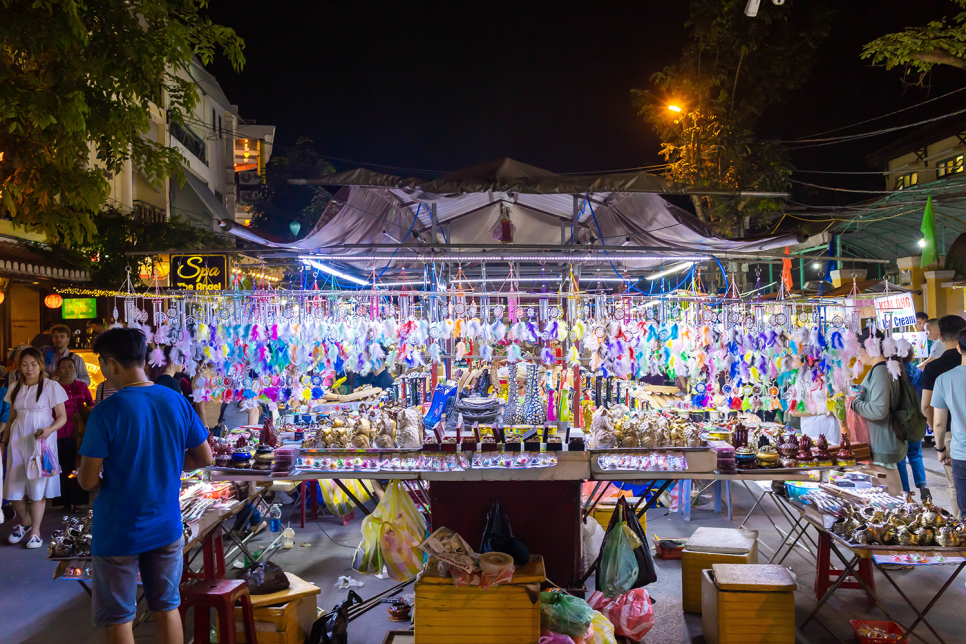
19,532
34,542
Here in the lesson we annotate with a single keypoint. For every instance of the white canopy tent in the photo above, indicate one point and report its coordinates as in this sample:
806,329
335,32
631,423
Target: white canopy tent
605,212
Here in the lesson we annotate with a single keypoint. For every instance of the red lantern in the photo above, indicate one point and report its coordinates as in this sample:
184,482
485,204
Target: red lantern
2,297
53,301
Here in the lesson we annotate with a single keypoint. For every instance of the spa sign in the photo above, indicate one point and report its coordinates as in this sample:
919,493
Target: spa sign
199,272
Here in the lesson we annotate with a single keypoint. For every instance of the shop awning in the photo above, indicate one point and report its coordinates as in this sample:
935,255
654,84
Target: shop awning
614,210
207,197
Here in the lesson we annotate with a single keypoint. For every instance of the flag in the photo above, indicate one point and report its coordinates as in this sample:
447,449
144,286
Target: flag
787,271
928,228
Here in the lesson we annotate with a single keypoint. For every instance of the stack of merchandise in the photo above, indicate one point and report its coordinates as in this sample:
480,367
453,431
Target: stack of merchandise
484,411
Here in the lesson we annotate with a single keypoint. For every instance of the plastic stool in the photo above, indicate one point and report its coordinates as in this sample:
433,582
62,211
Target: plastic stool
220,594
826,576
213,556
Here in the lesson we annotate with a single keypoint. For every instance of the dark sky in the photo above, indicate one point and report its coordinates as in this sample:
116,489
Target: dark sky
446,86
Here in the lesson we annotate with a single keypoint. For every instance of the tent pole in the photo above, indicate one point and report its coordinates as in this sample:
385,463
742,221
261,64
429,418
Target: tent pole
576,220
432,215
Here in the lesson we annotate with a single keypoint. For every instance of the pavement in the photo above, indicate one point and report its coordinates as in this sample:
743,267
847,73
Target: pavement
38,610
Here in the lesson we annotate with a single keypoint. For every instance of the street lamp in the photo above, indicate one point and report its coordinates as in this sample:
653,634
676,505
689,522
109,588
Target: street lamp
674,108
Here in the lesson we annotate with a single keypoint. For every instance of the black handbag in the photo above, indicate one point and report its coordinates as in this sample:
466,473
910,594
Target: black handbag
647,573
265,579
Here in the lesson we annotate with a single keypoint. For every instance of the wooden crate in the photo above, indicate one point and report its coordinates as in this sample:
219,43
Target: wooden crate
285,617
692,563
506,614
762,615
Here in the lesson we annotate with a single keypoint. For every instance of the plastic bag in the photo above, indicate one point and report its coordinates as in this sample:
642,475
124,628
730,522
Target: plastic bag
647,574
592,539
332,627
857,425
498,536
631,614
549,637
391,536
618,569
35,466
50,463
563,613
601,631
337,502
265,579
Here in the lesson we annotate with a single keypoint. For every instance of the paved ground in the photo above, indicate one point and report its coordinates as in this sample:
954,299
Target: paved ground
37,610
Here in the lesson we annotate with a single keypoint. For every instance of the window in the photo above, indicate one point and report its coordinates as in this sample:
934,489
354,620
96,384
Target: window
213,121
952,165
907,180
219,127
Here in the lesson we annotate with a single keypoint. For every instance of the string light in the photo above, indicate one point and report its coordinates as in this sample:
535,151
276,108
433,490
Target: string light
97,292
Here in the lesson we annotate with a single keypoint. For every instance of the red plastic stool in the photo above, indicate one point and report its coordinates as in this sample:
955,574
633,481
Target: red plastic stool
220,594
826,576
213,555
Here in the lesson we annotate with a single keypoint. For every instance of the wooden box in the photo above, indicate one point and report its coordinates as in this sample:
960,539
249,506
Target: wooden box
505,614
694,561
285,617
748,604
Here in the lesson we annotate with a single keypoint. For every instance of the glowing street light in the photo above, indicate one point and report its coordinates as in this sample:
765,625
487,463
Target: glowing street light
674,108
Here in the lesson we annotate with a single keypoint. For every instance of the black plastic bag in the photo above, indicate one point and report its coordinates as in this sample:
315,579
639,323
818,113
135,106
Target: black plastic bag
332,627
265,579
647,574
498,536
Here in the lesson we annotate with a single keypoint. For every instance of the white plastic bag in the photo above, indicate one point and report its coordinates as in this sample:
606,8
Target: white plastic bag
592,537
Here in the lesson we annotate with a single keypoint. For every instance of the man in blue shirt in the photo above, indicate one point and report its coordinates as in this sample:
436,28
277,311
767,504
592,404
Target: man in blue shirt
949,413
136,445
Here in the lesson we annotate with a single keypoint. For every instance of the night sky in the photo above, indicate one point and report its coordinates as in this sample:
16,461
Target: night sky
447,86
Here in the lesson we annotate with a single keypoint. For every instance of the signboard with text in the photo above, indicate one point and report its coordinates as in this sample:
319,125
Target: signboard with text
895,311
199,272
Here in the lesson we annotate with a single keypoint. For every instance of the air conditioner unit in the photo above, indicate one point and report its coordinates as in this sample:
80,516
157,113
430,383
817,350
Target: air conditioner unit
248,178
246,197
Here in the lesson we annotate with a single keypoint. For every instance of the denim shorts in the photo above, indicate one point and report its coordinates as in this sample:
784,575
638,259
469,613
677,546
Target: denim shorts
115,583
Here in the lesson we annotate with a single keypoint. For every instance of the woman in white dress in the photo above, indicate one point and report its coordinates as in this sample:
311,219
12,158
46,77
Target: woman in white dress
36,411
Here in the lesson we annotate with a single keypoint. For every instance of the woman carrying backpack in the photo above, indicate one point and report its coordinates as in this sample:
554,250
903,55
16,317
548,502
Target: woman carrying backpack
874,404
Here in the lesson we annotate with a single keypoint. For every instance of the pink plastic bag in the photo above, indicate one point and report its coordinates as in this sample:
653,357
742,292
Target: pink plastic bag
631,613
549,637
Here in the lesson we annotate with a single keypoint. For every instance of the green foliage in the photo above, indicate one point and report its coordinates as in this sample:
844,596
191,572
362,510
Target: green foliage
116,233
919,49
281,203
89,80
732,69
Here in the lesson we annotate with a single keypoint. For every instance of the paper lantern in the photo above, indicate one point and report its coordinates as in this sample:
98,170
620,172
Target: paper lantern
2,297
295,227
53,301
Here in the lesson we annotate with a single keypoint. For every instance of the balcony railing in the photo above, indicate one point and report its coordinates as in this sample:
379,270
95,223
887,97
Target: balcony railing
194,143
146,213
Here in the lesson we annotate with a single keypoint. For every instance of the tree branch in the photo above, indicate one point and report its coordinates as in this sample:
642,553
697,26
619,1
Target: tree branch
940,57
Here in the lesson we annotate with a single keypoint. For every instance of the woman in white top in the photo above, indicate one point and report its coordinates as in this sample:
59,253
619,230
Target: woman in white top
36,411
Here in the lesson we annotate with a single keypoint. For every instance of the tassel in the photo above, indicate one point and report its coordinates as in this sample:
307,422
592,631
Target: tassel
872,346
513,353
573,357
498,330
889,347
903,347
856,370
547,356
157,358
460,350
486,353
895,369
434,353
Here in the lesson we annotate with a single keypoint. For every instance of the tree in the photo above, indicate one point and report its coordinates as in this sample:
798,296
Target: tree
922,48
104,253
731,70
77,81
280,204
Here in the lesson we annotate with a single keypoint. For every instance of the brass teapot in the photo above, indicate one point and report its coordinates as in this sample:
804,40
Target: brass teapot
947,537
929,515
905,537
926,535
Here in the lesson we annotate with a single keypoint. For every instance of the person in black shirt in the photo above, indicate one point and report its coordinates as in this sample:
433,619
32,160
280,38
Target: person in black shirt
949,328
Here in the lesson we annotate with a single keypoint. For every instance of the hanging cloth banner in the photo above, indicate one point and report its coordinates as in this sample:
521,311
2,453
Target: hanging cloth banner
787,271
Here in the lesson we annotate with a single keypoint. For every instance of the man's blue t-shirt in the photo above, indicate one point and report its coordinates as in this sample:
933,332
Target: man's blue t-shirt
142,434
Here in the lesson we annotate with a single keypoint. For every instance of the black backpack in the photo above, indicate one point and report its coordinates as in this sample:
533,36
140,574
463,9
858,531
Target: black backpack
908,421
